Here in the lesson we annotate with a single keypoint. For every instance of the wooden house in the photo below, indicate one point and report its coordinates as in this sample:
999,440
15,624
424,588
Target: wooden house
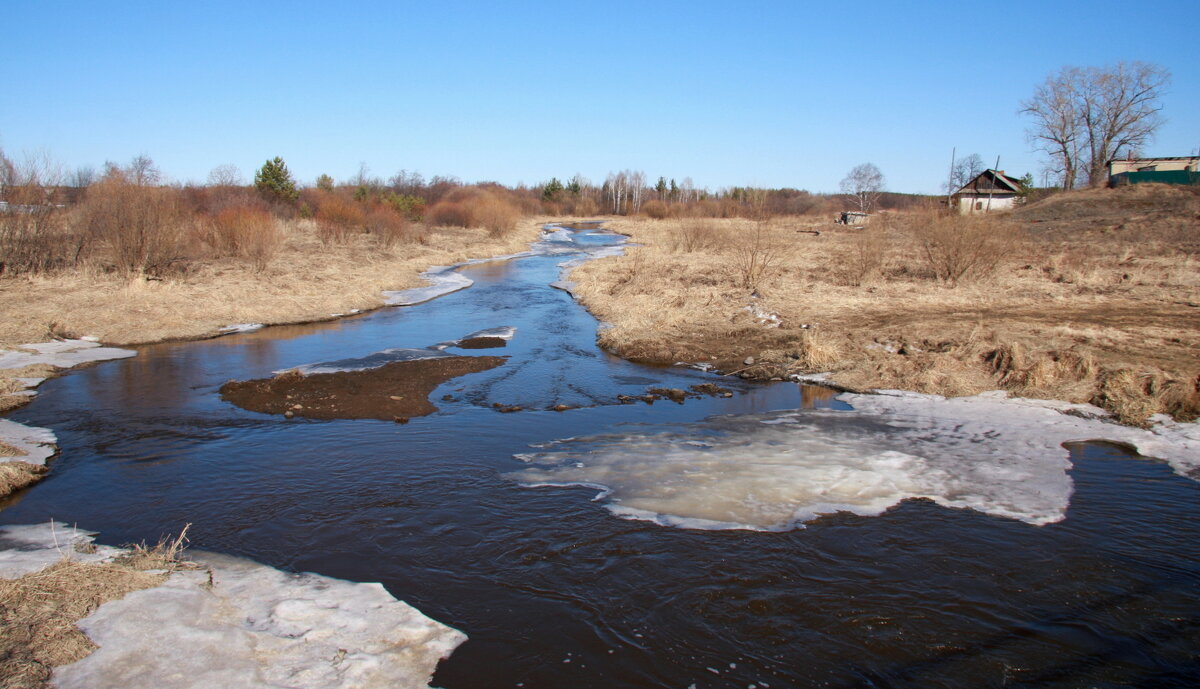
990,190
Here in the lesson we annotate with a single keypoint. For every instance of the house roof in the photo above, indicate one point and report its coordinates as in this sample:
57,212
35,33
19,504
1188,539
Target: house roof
994,181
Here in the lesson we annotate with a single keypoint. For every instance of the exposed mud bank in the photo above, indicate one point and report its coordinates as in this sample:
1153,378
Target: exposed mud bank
395,391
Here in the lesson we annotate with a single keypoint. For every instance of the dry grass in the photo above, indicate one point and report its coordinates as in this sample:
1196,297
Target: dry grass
1071,309
307,280
38,611
17,475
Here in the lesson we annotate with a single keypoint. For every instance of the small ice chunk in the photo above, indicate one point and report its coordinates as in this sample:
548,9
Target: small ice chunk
241,328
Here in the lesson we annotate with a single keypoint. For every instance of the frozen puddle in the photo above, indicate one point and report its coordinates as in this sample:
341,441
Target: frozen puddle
1000,456
254,626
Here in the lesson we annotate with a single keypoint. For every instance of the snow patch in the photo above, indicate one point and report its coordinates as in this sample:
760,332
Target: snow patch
255,626
1000,456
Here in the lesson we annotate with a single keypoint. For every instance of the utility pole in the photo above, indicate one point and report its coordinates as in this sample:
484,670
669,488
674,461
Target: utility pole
950,177
995,171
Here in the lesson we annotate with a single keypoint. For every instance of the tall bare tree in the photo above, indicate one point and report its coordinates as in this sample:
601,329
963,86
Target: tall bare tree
965,170
1085,116
863,184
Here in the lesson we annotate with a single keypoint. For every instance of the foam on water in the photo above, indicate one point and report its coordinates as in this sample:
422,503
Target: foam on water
1000,456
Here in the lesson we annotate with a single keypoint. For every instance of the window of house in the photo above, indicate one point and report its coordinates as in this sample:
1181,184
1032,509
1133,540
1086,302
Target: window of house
979,205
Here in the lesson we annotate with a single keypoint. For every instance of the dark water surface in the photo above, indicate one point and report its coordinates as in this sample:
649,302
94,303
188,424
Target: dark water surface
552,589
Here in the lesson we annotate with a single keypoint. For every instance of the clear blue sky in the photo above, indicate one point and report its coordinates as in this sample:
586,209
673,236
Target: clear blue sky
728,93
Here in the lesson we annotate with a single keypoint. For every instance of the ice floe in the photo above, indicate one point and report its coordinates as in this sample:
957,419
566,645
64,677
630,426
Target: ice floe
236,623
990,453
62,354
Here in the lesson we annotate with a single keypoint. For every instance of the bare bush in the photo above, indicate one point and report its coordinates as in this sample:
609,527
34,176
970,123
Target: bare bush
247,232
474,207
450,214
142,227
656,209
35,236
696,235
961,248
868,252
496,215
389,227
337,217
756,255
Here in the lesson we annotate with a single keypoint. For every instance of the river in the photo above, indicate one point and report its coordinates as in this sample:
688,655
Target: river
621,574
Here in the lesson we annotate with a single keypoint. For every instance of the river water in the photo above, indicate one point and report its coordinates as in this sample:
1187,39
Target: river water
557,586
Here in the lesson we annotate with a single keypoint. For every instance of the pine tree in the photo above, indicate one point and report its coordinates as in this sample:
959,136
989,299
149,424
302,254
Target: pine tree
275,182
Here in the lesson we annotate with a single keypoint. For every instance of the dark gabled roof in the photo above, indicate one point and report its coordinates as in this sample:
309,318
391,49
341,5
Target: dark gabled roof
993,181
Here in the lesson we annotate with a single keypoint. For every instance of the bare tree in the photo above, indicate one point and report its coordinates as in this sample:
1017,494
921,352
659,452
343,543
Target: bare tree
965,170
143,172
863,184
227,175
1085,116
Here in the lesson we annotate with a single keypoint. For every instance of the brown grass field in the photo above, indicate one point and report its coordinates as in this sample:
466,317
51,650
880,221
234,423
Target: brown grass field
1091,296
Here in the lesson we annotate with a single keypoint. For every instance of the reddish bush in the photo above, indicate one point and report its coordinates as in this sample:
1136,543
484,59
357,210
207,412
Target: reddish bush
337,217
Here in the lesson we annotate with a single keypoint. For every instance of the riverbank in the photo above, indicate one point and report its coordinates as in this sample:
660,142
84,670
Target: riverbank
1092,296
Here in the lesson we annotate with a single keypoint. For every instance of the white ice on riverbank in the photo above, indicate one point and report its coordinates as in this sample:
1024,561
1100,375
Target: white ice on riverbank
62,354
254,626
999,456
442,280
38,444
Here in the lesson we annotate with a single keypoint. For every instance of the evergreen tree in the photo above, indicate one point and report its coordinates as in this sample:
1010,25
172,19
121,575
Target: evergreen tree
275,183
551,191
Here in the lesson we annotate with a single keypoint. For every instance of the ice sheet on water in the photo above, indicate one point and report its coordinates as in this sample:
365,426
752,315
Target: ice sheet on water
1000,456
374,360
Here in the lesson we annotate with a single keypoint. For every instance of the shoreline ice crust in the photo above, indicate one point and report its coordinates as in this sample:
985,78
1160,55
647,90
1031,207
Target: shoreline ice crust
62,354
776,471
255,626
38,444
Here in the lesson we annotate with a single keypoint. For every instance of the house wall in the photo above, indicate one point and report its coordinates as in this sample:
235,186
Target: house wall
969,204
1116,167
